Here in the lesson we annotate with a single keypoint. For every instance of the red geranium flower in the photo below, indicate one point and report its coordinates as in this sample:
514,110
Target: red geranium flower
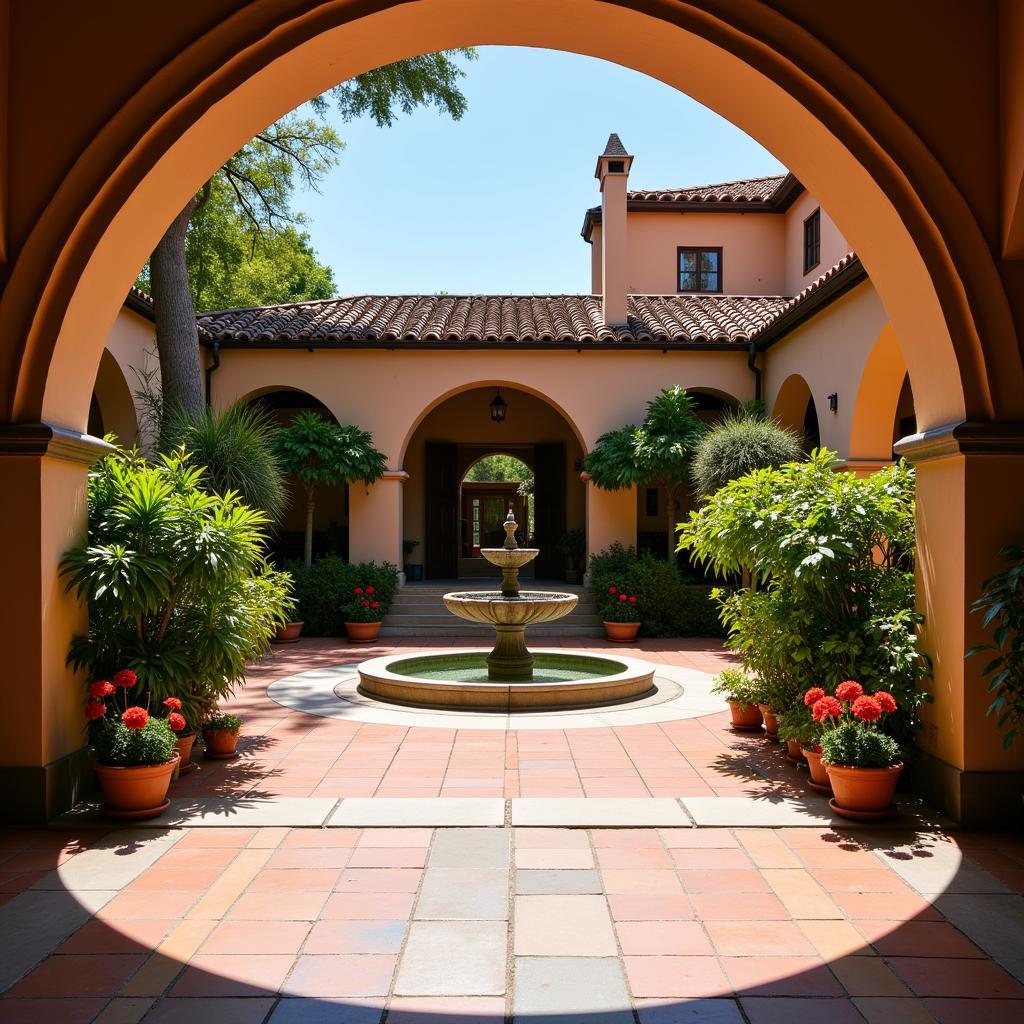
369,590
176,721
95,709
376,604
101,688
135,717
632,600
849,690
827,707
358,590
813,695
126,678
885,701
866,709
366,604
612,590
172,704
622,597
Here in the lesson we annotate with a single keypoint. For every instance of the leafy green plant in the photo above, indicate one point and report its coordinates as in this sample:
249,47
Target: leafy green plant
325,590
177,585
851,726
122,746
619,605
859,748
365,604
235,447
1002,603
738,687
738,443
655,454
318,452
222,720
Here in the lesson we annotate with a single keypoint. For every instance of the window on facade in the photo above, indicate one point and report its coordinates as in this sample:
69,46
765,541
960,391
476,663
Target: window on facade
700,270
812,241
652,501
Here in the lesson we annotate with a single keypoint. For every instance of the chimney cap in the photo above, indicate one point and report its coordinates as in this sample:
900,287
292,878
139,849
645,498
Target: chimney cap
613,150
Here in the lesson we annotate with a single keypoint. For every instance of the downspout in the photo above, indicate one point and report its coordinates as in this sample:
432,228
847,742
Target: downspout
215,349
754,369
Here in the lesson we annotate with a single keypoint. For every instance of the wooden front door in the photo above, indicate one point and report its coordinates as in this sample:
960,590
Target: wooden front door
441,556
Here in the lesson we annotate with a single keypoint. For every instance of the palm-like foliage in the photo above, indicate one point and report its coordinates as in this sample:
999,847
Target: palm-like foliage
737,444
236,448
177,585
316,451
656,453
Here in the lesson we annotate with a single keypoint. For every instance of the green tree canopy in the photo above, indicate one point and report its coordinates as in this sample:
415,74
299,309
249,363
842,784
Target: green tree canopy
499,469
656,453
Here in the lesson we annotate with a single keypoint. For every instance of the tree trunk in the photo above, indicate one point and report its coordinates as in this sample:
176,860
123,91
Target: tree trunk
308,548
177,336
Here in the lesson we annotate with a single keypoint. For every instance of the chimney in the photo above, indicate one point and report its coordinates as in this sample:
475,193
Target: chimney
613,173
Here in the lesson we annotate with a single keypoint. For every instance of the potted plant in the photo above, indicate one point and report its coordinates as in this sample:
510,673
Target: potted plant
363,615
289,633
135,751
220,736
742,694
801,732
413,570
863,763
184,735
771,722
620,614
573,547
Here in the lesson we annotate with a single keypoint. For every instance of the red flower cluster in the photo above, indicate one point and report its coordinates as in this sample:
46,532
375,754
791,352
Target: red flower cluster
358,590
101,688
826,707
612,590
125,678
866,708
135,717
813,695
886,702
176,721
172,704
849,691
95,709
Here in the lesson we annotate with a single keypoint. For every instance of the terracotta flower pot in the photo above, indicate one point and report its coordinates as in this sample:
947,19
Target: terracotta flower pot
771,721
621,632
220,743
288,633
863,792
362,632
138,792
816,770
745,717
183,744
794,751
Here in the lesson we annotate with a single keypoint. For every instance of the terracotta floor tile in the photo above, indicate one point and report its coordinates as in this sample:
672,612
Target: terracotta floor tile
214,838
50,1011
738,907
669,938
890,907
242,937
780,976
758,938
379,880
272,906
76,976
143,903
637,858
295,880
388,857
341,975
307,858
698,838
971,1011
725,881
131,936
855,880
635,882
867,976
710,858
918,938
936,976
801,1011
630,838
689,976
340,936
352,906
250,974
650,908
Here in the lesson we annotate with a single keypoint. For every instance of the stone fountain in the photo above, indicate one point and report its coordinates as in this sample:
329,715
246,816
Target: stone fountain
510,678
509,610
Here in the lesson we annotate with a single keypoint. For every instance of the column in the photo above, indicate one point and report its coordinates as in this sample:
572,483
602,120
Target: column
44,765
611,516
970,492
375,520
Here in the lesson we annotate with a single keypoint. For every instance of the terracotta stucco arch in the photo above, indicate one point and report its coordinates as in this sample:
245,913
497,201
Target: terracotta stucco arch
163,137
878,395
790,405
114,397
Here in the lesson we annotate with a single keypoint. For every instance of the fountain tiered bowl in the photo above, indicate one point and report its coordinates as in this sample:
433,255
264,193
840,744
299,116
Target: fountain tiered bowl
511,677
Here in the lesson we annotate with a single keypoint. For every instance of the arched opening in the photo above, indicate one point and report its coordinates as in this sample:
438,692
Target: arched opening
111,407
452,513
331,511
884,402
905,420
795,408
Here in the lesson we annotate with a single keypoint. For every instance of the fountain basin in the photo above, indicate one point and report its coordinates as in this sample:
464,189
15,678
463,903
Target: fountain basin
494,608
459,679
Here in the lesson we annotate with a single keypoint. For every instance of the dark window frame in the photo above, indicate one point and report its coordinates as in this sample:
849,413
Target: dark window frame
651,499
700,250
812,240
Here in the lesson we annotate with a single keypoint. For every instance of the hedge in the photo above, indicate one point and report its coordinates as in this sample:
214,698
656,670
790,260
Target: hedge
324,589
669,606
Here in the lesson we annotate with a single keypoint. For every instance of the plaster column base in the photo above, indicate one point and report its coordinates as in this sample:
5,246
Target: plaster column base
973,799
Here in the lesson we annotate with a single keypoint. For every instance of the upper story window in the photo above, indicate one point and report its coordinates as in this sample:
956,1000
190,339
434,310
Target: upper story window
700,269
812,241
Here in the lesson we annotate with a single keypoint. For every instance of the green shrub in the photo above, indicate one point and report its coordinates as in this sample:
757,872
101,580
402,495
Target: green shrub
737,687
117,745
324,591
223,721
851,744
669,607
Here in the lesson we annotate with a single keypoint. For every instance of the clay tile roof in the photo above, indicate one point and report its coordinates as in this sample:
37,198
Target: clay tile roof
745,190
555,320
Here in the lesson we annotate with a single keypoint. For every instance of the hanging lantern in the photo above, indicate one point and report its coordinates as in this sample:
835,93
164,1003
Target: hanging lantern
499,407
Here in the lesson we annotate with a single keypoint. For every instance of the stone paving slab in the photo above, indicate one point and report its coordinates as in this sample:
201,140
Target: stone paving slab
429,812
598,812
539,882
215,811
570,990
463,894
104,865
454,958
758,812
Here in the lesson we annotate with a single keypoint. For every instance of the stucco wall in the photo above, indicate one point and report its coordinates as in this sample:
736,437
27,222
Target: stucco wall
130,345
830,352
833,245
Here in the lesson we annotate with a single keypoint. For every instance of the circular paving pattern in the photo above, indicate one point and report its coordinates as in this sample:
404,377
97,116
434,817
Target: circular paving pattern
332,692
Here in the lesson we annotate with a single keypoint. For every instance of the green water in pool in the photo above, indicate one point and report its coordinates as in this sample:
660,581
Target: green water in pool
472,668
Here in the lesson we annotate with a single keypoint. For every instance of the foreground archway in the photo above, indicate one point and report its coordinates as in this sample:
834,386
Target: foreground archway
76,238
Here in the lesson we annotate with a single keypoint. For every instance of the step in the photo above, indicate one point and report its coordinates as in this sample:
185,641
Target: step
535,632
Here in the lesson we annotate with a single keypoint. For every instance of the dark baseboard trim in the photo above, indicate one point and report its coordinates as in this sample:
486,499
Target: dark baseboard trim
33,796
971,799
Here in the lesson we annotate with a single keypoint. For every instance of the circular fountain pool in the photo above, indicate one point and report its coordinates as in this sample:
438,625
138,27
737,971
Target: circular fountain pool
460,679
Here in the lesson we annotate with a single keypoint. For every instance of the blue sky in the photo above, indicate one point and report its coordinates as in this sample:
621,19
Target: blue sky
495,202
